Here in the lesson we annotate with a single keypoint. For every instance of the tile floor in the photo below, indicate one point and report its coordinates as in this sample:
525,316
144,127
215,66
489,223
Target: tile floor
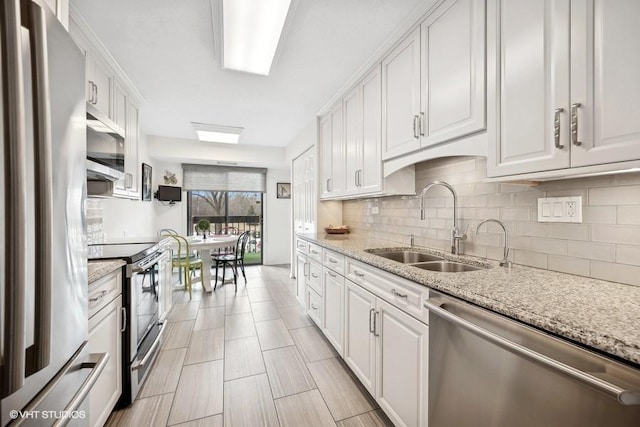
251,358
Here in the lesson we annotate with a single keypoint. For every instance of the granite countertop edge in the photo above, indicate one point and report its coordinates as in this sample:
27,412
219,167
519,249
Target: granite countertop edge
596,313
98,269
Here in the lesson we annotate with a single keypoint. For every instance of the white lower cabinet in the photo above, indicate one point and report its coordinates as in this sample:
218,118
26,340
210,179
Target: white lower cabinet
402,365
301,277
105,337
333,309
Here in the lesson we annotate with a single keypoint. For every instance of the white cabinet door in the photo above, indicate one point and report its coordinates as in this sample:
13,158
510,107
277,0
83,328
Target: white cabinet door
352,140
102,78
105,337
401,98
370,148
311,191
131,164
337,184
403,357
120,105
533,54
333,294
453,54
605,70
324,138
359,345
298,195
301,278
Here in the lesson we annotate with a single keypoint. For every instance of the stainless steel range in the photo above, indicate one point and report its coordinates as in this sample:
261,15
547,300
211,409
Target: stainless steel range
142,334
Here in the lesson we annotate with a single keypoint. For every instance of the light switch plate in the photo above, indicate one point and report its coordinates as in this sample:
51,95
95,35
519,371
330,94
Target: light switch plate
560,209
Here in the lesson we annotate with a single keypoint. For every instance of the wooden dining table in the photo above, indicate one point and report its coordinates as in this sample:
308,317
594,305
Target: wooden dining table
204,246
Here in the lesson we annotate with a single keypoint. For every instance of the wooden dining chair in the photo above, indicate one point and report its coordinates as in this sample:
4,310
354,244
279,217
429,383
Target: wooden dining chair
233,260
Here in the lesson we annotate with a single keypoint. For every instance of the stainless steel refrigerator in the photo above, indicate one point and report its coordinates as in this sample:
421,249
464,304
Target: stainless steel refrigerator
45,369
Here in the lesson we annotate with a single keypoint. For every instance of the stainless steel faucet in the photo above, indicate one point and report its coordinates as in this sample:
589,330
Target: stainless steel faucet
456,237
505,258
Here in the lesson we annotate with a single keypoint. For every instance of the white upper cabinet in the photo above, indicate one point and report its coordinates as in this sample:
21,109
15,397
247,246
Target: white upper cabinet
60,8
569,94
332,152
401,97
533,53
605,81
352,139
453,55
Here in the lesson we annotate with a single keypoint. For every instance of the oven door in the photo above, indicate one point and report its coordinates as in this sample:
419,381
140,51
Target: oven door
145,332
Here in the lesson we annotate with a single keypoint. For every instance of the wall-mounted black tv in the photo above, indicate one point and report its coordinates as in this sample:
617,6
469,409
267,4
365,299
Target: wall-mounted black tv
168,193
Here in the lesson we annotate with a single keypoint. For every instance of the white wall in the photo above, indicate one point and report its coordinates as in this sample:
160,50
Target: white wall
302,142
277,220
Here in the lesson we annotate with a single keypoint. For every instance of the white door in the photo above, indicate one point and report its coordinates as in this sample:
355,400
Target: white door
605,81
359,344
453,90
370,148
301,278
333,293
401,98
298,198
533,55
403,358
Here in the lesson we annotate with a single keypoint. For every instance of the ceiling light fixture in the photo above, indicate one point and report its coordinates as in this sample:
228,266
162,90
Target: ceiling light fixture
215,133
251,32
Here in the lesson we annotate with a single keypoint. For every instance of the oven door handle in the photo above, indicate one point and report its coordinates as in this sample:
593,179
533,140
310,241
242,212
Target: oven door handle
142,267
140,364
623,396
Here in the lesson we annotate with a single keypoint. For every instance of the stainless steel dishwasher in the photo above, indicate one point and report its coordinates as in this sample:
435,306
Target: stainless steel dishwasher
486,370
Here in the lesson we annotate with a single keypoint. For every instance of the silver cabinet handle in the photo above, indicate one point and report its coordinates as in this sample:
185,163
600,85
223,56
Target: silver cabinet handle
355,178
398,294
123,311
375,323
14,127
314,275
370,319
314,307
304,269
128,180
420,124
574,124
332,260
556,128
357,273
96,86
313,251
99,297
416,135
331,274
625,397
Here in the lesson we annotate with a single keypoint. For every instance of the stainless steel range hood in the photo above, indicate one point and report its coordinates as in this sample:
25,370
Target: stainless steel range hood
100,172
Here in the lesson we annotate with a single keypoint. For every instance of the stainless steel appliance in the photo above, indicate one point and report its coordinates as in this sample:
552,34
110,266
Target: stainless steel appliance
44,365
141,296
488,370
105,147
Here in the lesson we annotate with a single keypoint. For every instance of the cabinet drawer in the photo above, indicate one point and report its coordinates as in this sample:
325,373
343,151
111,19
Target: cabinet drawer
314,306
315,277
333,260
302,246
401,293
315,252
103,290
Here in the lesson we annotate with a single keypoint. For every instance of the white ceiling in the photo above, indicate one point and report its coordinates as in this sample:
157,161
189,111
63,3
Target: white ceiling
166,48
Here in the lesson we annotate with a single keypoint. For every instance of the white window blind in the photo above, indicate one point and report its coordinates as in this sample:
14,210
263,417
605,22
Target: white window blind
224,178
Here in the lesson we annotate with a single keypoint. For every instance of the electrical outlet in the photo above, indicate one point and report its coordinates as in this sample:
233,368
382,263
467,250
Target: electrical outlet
560,209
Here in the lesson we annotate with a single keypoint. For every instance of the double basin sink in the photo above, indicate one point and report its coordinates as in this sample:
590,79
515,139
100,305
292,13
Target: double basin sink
424,261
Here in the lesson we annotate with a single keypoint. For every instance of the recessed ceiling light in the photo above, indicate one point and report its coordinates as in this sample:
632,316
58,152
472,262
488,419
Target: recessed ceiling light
215,133
251,32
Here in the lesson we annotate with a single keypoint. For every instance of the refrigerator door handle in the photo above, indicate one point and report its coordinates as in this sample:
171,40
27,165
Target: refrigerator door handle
15,197
43,180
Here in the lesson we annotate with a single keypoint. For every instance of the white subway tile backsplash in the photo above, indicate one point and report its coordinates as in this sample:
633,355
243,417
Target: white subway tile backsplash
595,251
615,196
628,254
606,245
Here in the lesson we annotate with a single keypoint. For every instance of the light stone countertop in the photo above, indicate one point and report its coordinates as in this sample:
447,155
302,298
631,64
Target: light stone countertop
99,269
599,314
